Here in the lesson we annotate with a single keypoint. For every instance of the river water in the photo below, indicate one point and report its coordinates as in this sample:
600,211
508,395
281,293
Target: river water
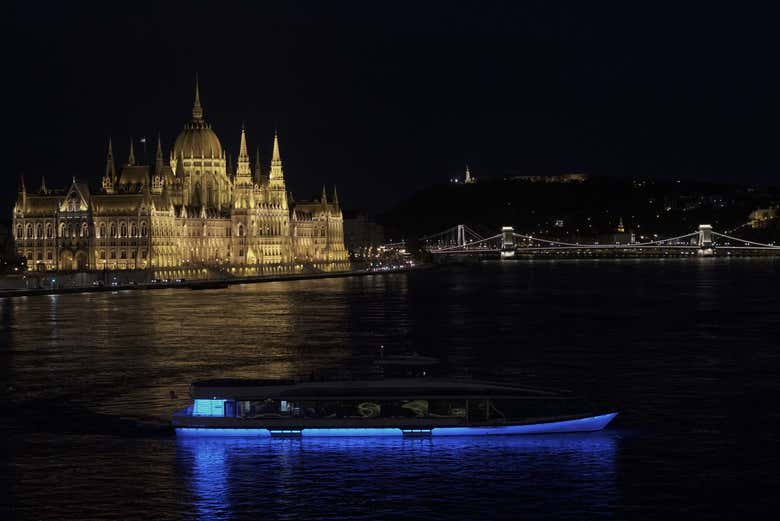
687,349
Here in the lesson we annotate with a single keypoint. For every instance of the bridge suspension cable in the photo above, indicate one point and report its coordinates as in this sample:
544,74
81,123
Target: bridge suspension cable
469,241
469,246
745,241
578,245
465,230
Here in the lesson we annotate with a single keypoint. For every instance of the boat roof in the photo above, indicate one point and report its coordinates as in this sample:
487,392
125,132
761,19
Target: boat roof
400,388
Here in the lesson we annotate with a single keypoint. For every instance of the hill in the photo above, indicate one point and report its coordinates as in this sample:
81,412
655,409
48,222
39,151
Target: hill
594,206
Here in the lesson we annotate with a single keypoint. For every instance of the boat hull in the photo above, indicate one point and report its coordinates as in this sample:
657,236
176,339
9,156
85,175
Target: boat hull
585,424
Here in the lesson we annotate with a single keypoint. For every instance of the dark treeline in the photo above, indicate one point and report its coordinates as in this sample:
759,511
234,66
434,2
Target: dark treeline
592,207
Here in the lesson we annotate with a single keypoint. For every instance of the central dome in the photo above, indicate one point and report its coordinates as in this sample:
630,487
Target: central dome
197,139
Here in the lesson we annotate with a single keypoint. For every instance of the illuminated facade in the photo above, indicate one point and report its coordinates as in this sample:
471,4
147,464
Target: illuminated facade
190,212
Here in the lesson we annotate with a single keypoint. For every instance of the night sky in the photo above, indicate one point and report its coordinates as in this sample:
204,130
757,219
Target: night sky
384,98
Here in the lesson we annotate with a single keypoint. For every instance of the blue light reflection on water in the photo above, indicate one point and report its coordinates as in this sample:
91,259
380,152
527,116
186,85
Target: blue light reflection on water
592,423
554,476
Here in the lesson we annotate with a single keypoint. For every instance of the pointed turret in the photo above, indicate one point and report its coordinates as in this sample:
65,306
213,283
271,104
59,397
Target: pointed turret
243,174
197,110
110,166
131,156
276,160
335,197
158,156
157,177
43,190
276,156
278,194
229,166
242,153
324,196
109,178
258,170
21,200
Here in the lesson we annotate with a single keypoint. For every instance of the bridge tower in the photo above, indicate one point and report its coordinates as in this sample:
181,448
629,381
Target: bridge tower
705,239
461,235
507,242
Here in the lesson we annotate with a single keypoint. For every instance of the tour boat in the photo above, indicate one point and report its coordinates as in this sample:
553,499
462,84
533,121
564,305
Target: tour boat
388,407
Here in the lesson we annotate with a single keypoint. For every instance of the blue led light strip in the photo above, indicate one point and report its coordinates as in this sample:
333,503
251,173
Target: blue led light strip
592,423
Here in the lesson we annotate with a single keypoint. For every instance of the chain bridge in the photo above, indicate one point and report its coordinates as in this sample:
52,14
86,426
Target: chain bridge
463,240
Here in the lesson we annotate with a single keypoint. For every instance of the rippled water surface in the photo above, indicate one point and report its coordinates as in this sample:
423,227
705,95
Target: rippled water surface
688,351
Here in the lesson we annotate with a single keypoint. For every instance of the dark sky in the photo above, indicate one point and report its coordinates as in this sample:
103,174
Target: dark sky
385,98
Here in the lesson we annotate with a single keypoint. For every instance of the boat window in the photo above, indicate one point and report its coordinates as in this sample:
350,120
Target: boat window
368,409
208,408
447,408
260,408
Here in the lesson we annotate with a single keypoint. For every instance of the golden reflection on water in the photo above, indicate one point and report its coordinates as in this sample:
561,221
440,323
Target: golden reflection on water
125,352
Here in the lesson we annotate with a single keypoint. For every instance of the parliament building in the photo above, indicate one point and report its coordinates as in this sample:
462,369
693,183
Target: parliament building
186,216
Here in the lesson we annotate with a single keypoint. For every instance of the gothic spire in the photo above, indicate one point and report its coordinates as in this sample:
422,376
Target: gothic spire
158,156
22,188
110,166
324,198
109,178
229,165
276,160
243,174
276,156
131,157
335,197
43,186
258,171
197,110
242,153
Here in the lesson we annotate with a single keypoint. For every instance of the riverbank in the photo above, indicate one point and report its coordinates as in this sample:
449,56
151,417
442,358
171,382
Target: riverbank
201,284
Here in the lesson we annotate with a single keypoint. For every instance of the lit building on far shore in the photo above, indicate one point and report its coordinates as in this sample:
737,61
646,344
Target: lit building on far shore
180,216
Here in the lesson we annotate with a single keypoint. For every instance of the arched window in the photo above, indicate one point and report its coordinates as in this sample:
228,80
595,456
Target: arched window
48,230
84,230
133,230
29,231
143,229
123,230
241,230
113,229
103,231
19,232
70,231
39,231
62,229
